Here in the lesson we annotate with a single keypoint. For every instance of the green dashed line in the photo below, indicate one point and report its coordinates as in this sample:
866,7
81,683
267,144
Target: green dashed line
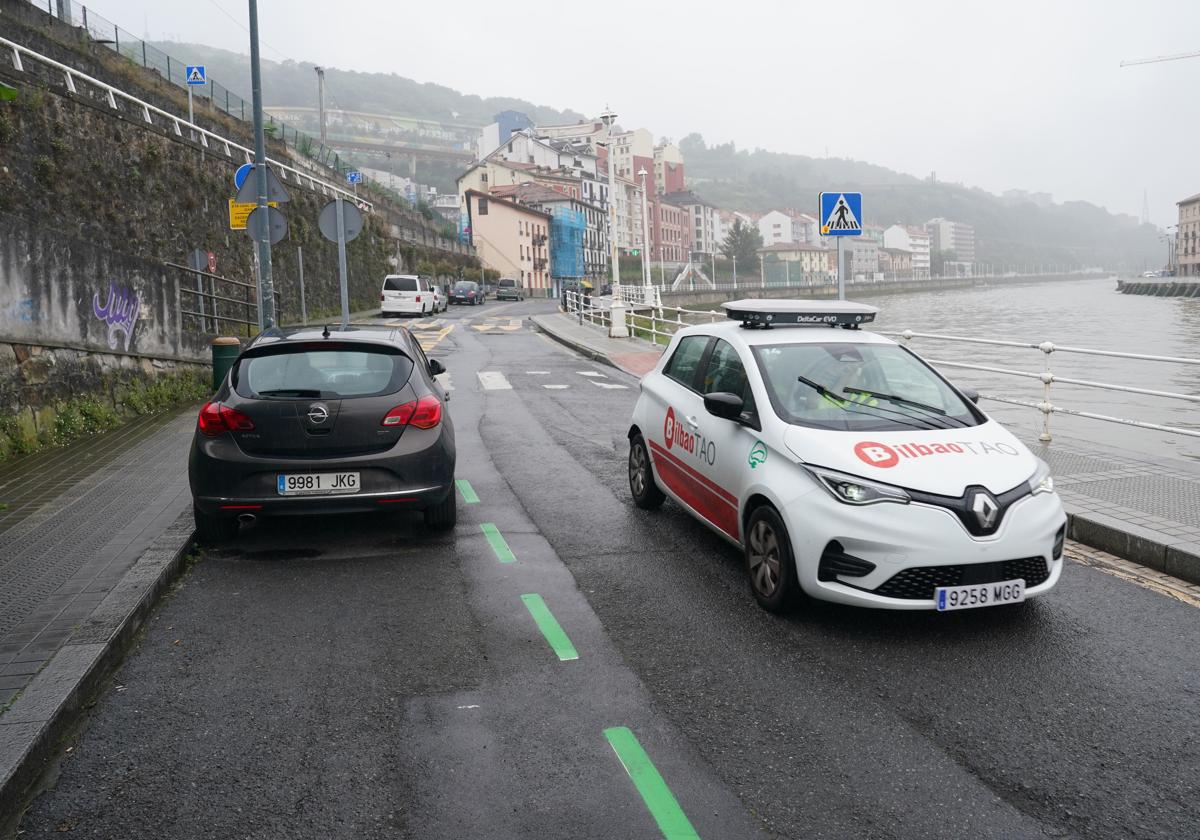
468,492
658,797
560,643
503,552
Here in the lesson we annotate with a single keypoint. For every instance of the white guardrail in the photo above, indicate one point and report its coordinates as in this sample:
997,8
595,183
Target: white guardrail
659,324
208,139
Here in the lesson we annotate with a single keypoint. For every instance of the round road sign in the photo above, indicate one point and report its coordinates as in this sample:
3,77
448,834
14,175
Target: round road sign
352,220
239,177
276,224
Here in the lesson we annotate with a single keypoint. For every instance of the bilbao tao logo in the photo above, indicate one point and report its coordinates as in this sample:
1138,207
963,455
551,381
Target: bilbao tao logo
669,427
876,454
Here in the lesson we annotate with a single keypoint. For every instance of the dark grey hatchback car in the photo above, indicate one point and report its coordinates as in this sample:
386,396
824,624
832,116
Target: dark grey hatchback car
315,422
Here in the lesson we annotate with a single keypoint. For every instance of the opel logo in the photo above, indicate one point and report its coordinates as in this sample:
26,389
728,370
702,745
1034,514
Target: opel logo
985,509
318,413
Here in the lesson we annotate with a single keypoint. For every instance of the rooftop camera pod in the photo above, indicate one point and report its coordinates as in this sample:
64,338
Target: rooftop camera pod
757,313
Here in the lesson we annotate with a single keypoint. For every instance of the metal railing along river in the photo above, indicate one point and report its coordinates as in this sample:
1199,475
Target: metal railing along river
659,324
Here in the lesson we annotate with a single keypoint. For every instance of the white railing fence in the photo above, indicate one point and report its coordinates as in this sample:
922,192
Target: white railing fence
658,324
1048,378
81,84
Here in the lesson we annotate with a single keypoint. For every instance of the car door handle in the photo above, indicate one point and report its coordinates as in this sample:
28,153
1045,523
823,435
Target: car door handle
692,421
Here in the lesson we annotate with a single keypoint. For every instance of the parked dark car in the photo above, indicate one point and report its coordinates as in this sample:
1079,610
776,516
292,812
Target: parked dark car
466,291
310,422
510,289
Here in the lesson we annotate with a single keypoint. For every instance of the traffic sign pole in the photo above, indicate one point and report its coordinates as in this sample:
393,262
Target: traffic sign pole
266,285
841,271
342,272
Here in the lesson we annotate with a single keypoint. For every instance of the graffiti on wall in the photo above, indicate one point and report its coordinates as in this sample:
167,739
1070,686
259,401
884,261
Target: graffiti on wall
120,313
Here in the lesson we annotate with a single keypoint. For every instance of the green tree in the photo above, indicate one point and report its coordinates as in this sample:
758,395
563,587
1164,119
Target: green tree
742,242
938,260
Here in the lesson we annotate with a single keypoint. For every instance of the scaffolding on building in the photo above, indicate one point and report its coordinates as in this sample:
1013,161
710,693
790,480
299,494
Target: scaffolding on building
567,228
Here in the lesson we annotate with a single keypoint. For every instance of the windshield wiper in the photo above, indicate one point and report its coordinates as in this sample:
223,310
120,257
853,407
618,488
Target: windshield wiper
857,409
291,392
898,400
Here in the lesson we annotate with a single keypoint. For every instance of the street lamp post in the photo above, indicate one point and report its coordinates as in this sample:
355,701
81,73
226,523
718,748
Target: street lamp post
617,327
266,287
645,231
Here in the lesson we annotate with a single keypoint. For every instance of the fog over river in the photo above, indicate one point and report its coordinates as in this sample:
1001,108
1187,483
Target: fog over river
1083,313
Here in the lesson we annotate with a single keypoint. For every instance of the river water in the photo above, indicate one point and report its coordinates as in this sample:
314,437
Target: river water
1079,313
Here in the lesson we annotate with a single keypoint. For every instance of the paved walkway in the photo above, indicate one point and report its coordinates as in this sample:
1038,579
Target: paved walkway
75,520
1135,506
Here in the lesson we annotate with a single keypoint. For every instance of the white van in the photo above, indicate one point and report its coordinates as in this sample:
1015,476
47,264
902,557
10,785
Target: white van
406,294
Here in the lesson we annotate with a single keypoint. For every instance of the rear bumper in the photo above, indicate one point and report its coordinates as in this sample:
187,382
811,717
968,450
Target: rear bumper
418,472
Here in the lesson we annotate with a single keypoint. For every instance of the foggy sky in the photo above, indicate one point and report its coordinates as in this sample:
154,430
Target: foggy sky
1025,95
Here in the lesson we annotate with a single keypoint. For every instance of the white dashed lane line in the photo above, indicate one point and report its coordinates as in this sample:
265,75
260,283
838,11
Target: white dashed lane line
556,387
493,380
606,384
591,373
537,373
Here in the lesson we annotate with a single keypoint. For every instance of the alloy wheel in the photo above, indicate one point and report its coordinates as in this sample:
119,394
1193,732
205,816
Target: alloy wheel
764,558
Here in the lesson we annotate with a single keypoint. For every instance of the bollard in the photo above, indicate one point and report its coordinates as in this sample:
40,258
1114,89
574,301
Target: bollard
225,350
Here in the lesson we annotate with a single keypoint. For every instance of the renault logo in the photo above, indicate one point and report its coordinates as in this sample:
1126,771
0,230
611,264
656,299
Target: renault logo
318,413
985,508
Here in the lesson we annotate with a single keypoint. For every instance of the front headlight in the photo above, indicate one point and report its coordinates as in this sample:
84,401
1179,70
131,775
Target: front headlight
852,490
1041,481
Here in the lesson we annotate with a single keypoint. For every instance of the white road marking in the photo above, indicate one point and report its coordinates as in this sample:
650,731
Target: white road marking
556,387
446,382
591,373
537,373
493,380
606,384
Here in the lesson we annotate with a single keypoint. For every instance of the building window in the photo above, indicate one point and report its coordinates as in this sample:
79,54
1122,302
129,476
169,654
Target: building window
483,206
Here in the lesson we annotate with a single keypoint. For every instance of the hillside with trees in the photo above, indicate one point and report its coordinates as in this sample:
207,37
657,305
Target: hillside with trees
1009,229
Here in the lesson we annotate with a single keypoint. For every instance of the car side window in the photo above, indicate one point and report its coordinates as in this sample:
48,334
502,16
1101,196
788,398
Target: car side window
685,360
726,373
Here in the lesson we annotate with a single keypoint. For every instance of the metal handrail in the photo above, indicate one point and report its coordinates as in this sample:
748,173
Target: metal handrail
1048,378
71,75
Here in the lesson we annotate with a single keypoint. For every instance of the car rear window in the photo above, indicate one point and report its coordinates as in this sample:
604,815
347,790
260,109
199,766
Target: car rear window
465,287
508,283
323,374
400,284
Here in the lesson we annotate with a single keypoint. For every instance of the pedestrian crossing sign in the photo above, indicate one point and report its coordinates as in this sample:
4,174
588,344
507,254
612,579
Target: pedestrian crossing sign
841,214
195,75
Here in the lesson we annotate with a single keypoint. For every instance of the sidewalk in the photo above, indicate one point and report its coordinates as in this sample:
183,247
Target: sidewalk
632,355
76,520
1137,507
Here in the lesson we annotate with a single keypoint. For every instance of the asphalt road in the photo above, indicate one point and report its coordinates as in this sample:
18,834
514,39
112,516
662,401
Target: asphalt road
358,677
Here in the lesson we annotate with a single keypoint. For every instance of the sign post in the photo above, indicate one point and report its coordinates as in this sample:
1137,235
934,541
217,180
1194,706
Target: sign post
341,223
841,215
195,76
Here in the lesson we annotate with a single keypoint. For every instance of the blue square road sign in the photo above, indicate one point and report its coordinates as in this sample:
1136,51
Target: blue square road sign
841,214
195,74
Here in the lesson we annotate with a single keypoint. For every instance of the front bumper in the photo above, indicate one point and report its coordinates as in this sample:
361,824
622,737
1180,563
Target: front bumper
895,537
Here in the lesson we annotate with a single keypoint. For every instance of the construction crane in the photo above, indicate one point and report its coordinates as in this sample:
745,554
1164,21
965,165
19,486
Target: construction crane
1159,58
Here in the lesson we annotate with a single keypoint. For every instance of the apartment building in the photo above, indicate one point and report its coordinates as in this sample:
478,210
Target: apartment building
945,235
1187,238
511,238
593,245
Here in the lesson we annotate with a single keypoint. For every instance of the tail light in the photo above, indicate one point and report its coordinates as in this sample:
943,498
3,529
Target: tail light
217,419
418,299
382,296
424,413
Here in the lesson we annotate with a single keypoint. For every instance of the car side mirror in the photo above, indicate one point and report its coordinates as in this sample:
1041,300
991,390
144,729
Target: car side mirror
436,367
724,405
971,394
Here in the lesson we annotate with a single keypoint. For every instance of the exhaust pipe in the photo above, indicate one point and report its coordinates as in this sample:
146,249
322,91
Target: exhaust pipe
247,518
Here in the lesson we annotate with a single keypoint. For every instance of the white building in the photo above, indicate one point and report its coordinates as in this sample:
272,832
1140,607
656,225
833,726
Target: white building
783,227
957,237
912,239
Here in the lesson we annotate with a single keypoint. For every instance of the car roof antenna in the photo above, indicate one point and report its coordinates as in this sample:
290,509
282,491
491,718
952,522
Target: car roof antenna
325,332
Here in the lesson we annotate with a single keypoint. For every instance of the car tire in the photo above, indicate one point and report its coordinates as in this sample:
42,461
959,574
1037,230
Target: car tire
213,530
770,565
444,515
645,491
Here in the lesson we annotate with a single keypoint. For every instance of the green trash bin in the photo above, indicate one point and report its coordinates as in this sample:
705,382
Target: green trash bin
225,350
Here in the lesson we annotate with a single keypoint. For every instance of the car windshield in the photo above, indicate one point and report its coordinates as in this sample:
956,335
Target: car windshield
858,387
400,284
323,374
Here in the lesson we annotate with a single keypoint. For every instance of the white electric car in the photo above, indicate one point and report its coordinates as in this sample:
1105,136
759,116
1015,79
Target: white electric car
844,466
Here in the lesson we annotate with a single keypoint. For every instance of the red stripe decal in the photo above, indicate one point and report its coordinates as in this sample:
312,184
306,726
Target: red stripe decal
697,492
720,491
